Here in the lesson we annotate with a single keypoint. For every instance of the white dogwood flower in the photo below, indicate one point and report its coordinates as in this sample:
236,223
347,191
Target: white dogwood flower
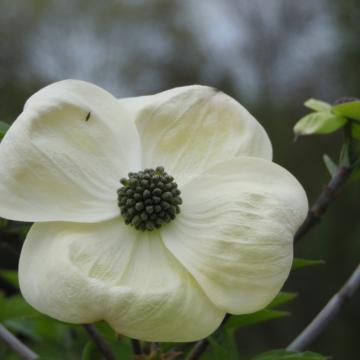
157,214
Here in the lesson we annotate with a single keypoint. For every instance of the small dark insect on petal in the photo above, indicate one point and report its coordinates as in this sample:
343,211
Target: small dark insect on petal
88,116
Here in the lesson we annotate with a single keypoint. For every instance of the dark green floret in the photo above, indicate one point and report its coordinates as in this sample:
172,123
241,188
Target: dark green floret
149,199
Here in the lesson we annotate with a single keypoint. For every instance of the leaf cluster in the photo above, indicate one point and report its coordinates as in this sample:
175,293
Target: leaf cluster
326,118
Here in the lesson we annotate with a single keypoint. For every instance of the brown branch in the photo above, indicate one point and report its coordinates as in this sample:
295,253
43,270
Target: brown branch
16,345
100,342
327,196
327,314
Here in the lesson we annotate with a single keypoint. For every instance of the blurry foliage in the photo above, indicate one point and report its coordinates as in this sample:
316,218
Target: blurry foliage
271,56
55,340
285,355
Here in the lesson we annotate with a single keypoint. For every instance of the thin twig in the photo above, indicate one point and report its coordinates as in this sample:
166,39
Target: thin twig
154,347
136,346
16,345
198,349
327,196
200,346
327,314
100,342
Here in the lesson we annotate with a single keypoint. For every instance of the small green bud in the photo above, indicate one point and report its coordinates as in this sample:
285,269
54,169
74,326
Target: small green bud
149,199
331,166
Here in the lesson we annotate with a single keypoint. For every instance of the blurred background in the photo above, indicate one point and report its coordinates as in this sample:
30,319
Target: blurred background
269,55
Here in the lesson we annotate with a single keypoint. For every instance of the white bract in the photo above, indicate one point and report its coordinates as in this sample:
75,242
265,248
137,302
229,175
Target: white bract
228,251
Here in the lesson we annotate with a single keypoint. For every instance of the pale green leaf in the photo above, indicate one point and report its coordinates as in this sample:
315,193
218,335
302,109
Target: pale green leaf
319,123
317,105
289,355
330,165
348,109
301,263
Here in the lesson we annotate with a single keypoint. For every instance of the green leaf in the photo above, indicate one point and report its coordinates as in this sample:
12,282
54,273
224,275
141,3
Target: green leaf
289,355
11,277
3,129
223,346
47,331
319,123
348,109
331,166
281,298
24,327
3,222
301,263
90,352
238,321
122,349
355,130
317,105
15,307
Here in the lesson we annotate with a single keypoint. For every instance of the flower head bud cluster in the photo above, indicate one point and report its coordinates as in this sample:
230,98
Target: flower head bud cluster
148,199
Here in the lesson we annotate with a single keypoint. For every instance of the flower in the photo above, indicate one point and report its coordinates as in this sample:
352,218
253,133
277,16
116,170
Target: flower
225,247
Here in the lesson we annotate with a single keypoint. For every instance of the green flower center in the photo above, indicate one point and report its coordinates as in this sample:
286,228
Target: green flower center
149,199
